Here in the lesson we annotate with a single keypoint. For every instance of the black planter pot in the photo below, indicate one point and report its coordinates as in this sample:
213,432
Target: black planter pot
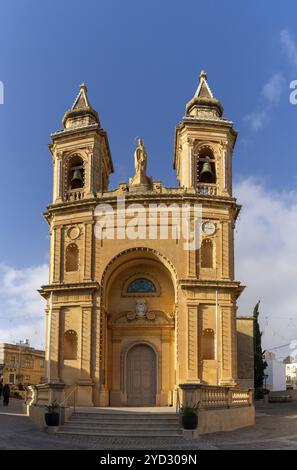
52,419
190,422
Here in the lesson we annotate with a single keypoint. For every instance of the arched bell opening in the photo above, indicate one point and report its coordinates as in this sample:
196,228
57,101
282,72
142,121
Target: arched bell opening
206,170
76,173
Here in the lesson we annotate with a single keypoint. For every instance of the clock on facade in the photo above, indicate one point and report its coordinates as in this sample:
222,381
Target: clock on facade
209,228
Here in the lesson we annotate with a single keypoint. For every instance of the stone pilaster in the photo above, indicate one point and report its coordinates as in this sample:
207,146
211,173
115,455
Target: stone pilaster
116,373
88,251
192,333
225,250
90,173
99,358
54,345
85,382
57,255
57,185
227,375
165,394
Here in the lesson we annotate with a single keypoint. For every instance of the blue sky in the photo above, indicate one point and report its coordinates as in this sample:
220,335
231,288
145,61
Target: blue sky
141,62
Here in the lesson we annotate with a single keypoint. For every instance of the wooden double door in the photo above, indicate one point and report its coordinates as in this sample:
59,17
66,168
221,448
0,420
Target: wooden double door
141,376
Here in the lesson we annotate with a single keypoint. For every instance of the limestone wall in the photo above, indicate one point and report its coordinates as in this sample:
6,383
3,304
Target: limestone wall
245,351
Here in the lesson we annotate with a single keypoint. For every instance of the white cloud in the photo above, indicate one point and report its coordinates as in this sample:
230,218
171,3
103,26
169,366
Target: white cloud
289,45
256,120
266,259
21,306
272,90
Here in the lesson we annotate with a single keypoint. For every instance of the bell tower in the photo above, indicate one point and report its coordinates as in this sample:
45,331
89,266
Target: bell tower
81,155
204,142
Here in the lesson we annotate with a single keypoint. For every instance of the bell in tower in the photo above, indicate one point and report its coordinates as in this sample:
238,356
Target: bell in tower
77,179
207,174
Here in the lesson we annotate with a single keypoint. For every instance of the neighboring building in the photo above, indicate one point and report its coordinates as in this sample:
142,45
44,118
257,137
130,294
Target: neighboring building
245,351
275,373
291,374
21,364
129,319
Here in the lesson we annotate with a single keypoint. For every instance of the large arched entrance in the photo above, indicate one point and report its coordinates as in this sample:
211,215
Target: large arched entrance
141,376
139,297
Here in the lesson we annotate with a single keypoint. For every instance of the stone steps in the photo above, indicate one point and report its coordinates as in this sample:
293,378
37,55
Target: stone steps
114,415
120,419
132,425
118,432
129,424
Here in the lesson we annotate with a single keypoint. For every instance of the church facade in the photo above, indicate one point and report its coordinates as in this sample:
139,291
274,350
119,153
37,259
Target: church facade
130,318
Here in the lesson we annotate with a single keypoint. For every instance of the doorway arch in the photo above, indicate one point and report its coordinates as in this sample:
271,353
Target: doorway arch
125,328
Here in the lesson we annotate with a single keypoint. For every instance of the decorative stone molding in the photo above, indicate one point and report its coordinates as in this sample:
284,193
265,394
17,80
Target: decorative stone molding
161,257
74,232
130,319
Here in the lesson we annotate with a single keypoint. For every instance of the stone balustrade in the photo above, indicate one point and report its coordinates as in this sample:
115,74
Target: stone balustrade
207,189
75,195
214,397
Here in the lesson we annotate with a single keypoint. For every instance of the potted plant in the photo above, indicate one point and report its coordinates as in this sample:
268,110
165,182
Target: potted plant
52,416
189,416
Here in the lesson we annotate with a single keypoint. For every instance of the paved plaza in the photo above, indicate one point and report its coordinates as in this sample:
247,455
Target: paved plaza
276,428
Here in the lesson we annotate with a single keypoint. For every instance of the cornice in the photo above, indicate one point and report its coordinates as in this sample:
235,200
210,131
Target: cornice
71,207
75,130
218,284
62,287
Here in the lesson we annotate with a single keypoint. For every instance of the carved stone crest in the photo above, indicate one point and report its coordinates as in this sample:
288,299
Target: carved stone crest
140,308
150,317
141,311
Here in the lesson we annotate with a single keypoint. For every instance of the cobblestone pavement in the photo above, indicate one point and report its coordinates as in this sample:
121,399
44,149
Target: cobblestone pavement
276,428
17,431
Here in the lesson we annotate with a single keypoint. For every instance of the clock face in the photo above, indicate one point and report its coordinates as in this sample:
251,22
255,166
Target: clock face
209,228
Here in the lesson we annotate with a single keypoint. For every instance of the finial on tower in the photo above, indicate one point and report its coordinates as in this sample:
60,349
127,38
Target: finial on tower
203,75
84,87
203,90
82,100
203,103
81,113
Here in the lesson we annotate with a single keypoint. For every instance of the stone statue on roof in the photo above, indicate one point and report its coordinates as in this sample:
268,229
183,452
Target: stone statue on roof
140,163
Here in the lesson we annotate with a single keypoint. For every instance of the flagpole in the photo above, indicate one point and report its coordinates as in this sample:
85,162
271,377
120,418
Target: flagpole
217,339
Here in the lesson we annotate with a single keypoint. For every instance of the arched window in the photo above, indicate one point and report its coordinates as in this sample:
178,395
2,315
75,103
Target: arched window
208,344
141,285
76,173
72,257
206,253
206,170
70,345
